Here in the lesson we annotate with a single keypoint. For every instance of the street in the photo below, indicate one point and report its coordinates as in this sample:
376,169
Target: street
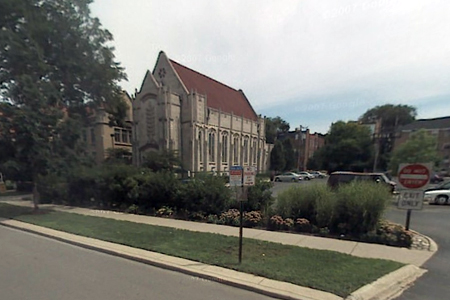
432,221
38,268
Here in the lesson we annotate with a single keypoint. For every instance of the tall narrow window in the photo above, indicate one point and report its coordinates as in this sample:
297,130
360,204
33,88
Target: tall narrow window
224,148
117,135
200,146
245,150
92,136
211,147
254,151
235,150
124,136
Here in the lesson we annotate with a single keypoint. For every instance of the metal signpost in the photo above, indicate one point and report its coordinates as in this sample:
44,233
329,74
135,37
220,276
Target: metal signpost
240,179
412,178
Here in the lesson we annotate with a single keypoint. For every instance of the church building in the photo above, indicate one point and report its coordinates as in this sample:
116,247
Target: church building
209,124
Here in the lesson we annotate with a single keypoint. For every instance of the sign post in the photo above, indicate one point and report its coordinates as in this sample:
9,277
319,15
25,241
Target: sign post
241,178
412,178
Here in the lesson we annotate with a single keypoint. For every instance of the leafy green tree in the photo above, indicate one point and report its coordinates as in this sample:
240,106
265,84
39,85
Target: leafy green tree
54,61
118,156
421,147
348,146
273,127
277,161
162,160
391,117
289,155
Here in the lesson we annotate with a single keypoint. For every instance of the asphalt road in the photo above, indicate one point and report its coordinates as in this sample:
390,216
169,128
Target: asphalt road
38,268
433,221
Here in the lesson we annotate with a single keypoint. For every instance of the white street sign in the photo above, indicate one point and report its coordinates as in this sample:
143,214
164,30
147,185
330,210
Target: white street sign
411,199
236,176
249,175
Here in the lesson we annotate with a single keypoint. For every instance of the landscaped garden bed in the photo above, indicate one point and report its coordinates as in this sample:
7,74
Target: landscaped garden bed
352,212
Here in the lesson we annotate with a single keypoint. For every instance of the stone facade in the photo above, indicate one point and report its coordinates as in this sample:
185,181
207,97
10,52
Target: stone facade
210,125
99,136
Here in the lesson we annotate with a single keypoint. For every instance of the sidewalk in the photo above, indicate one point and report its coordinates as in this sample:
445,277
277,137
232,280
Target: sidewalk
391,283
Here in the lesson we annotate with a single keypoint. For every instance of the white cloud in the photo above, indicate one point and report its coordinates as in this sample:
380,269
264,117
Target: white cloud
292,51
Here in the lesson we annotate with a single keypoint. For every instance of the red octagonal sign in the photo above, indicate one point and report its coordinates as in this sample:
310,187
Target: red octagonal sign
414,176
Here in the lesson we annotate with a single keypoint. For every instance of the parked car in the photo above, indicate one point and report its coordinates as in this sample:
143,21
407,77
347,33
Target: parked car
342,177
438,195
318,174
441,186
306,175
288,176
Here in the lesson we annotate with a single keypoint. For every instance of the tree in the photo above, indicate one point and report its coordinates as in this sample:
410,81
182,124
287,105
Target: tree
118,156
289,155
348,146
390,117
273,127
421,147
277,161
54,61
162,160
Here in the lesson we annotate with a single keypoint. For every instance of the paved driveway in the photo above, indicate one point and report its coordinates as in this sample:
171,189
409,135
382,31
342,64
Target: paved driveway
433,221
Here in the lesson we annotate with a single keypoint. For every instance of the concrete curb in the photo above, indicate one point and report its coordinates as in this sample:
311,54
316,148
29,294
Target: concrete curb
433,245
389,286
261,285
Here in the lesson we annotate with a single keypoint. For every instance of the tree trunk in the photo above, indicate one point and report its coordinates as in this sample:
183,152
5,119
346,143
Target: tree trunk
36,196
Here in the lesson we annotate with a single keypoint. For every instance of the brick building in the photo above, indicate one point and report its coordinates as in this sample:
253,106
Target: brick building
439,127
305,144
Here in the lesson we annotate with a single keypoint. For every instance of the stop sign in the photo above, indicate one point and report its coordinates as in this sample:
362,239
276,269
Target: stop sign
414,176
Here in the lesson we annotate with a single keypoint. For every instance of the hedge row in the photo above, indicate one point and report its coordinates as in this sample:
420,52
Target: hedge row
140,190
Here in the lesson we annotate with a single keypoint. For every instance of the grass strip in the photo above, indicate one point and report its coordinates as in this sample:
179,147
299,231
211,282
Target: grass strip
328,271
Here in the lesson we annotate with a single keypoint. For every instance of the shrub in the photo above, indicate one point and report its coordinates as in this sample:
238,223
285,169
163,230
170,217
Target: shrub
52,189
393,234
230,217
300,202
302,225
325,208
359,207
208,195
156,189
164,211
259,196
196,216
252,218
288,224
24,186
276,222
214,219
133,209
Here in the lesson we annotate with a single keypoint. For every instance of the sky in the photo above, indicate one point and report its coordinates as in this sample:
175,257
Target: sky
310,62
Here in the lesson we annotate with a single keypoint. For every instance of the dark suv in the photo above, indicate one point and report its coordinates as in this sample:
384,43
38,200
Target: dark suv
341,177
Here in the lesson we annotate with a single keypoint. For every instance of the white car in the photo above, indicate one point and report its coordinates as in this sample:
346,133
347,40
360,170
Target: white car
288,176
306,175
438,195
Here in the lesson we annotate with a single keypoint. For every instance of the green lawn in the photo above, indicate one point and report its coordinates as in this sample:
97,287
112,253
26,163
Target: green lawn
329,271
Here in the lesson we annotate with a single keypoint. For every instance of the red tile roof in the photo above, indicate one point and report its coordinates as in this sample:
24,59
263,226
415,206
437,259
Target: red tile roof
218,95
